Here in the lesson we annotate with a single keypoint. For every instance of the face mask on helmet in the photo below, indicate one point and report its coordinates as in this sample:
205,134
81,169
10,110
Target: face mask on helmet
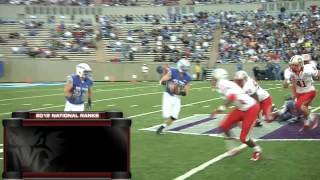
183,65
241,75
87,74
296,63
240,78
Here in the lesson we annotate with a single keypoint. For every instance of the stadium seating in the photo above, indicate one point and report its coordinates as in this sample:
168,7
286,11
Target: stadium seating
43,36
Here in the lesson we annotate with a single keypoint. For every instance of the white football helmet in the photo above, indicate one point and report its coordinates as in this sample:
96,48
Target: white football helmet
296,63
183,65
241,75
83,70
219,74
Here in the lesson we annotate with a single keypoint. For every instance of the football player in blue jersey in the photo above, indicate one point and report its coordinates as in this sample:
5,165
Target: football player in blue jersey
77,87
177,85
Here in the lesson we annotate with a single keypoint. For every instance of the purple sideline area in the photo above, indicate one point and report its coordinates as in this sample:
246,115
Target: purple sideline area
291,131
213,131
288,131
179,128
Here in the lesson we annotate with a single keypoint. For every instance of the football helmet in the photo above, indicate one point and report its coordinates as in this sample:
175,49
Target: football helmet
219,74
296,63
183,65
240,77
83,70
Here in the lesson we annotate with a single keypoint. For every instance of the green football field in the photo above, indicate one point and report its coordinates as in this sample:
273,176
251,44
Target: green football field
167,157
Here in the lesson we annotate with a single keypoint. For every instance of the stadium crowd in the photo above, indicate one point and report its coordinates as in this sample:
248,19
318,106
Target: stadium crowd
265,37
247,36
122,2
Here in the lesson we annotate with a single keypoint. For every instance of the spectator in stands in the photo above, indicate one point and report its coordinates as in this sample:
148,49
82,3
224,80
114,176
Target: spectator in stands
204,72
239,65
277,71
269,70
198,70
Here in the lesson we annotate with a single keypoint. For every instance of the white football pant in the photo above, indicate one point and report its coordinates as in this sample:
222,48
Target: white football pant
171,105
73,107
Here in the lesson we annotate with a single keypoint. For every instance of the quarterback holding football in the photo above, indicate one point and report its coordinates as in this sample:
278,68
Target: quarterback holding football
176,81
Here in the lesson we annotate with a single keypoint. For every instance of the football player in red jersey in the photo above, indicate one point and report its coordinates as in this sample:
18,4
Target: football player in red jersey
246,110
252,88
301,78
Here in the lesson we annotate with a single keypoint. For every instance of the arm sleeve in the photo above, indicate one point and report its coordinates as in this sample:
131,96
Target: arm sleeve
286,74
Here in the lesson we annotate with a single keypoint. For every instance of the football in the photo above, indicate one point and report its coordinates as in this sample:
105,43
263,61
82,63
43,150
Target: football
174,88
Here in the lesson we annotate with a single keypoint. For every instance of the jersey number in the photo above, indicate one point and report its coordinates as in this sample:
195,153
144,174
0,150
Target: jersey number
301,83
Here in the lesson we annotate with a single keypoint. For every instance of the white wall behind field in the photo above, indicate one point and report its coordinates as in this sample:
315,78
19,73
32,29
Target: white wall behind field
25,70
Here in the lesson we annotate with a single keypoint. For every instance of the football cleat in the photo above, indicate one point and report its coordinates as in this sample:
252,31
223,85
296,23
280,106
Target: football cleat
160,130
304,128
258,124
313,124
256,155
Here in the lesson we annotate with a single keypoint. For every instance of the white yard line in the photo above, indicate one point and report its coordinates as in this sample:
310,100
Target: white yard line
100,100
185,105
134,105
315,109
61,94
208,163
288,139
98,85
107,99
174,121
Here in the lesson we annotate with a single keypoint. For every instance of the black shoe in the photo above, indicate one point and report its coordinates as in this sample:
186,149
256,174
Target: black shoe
160,130
258,124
